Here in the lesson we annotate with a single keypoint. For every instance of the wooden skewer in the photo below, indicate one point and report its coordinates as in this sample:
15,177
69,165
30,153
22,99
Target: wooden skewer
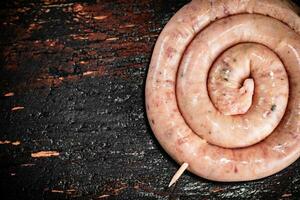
179,172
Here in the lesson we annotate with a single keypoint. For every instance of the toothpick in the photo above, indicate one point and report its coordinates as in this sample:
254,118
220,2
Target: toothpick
179,172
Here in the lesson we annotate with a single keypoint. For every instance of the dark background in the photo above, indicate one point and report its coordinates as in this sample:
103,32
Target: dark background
78,69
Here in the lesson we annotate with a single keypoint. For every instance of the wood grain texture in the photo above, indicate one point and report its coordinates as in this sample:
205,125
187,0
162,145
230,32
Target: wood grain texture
77,69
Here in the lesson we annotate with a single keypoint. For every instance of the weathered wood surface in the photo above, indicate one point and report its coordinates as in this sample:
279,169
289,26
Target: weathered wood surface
77,70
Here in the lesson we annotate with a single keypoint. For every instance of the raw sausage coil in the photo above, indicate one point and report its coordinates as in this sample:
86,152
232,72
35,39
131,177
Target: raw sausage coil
223,90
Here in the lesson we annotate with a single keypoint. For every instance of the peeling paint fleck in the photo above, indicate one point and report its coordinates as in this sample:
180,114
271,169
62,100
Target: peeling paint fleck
57,191
127,26
16,143
17,108
9,94
100,17
112,39
44,154
103,196
286,195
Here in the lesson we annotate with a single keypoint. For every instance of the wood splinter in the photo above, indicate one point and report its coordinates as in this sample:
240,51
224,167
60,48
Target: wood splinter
178,174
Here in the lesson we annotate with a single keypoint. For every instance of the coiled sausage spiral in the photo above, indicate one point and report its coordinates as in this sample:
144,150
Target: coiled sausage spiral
223,88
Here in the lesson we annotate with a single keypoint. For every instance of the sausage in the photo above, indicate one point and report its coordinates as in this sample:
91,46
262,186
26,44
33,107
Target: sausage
222,90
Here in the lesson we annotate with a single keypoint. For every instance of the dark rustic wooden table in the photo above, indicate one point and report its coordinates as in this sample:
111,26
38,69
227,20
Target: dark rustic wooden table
73,122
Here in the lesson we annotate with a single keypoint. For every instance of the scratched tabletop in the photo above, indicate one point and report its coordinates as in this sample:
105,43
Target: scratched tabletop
73,122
